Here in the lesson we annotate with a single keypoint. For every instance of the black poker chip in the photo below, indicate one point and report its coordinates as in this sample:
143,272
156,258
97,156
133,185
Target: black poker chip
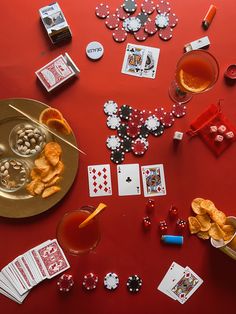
159,131
117,156
142,17
130,6
144,132
125,112
122,130
134,284
126,144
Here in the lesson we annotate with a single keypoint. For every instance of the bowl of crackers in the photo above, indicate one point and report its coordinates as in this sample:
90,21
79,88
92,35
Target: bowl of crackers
210,223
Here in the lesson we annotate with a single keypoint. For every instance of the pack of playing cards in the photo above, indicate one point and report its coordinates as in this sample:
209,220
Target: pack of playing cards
57,72
44,261
180,283
55,23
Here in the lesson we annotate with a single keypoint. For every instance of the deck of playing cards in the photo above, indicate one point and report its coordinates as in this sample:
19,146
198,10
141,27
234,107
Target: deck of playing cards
57,72
55,23
180,283
27,270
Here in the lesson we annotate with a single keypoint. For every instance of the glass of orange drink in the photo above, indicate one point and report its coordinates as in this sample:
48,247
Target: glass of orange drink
196,72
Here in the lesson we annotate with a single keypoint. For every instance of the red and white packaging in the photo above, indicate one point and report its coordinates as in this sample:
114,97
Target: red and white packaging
57,72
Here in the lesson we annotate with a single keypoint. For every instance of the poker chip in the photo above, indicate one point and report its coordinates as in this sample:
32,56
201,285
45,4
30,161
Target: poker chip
161,20
134,284
159,112
147,6
135,116
121,13
159,131
122,130
165,33
145,114
119,34
102,10
142,17
167,120
152,123
130,6
126,144
90,281
113,142
150,27
110,107
65,283
111,281
126,24
113,121
163,7
133,129
117,156
112,21
139,146
173,20
144,132
125,112
94,50
134,24
179,110
141,35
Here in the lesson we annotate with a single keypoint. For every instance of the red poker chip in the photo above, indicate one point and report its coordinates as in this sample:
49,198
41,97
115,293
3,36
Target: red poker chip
150,27
65,283
165,33
179,110
121,13
163,7
173,20
90,281
145,114
159,113
147,6
112,21
119,34
167,120
133,129
139,146
141,35
102,10
136,117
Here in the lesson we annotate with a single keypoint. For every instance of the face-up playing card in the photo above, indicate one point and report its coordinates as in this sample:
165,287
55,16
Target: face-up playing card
187,283
170,277
128,179
99,177
153,180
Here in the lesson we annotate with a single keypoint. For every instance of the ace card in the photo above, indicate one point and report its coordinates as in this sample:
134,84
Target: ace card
128,179
153,180
99,177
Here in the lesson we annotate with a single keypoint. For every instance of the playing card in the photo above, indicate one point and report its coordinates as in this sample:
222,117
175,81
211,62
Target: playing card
151,61
14,278
185,285
174,271
22,272
128,179
153,180
7,289
99,177
33,267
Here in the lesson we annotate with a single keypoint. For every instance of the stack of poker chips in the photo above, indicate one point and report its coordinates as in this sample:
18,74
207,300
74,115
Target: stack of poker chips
133,126
152,18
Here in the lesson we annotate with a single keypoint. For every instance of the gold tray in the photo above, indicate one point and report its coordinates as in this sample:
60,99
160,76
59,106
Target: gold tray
20,204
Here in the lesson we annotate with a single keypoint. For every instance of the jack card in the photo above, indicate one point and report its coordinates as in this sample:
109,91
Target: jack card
99,177
153,180
128,179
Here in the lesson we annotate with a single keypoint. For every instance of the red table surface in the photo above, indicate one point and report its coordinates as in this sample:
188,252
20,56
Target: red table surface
190,171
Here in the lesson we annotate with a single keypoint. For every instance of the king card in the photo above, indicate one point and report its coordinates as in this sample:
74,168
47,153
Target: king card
99,177
128,179
153,180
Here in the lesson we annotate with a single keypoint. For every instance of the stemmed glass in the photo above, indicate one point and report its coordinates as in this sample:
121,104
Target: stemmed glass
197,71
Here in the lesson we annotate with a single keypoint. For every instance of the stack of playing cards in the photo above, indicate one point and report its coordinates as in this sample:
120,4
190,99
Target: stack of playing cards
27,270
180,283
140,61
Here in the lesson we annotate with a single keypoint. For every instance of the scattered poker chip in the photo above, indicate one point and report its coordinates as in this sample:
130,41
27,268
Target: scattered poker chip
173,20
117,156
126,24
142,17
133,129
163,7
110,107
111,281
145,114
150,27
134,284
144,132
125,112
121,13
147,6
152,123
139,146
141,35
130,6
167,120
159,112
102,10
94,50
179,110
161,20
159,131
113,121
90,281
134,24
136,116
119,34
65,283
113,142
112,21
122,130
126,144
165,33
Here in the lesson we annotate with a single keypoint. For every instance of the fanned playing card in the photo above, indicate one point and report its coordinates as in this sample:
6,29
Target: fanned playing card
99,177
153,180
128,179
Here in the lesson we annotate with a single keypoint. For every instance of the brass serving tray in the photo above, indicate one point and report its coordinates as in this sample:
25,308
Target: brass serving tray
20,204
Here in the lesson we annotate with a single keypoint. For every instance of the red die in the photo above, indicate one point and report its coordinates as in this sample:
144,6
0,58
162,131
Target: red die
181,225
146,222
163,227
65,283
150,205
173,211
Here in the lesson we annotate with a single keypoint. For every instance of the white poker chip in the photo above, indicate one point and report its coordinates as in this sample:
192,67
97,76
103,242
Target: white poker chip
113,142
94,50
113,122
152,123
111,281
134,24
162,20
110,107
125,24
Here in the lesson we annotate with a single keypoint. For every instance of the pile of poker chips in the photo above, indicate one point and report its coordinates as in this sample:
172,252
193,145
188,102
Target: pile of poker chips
152,18
133,126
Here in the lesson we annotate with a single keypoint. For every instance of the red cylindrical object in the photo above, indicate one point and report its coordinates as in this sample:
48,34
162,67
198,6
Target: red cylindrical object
209,17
